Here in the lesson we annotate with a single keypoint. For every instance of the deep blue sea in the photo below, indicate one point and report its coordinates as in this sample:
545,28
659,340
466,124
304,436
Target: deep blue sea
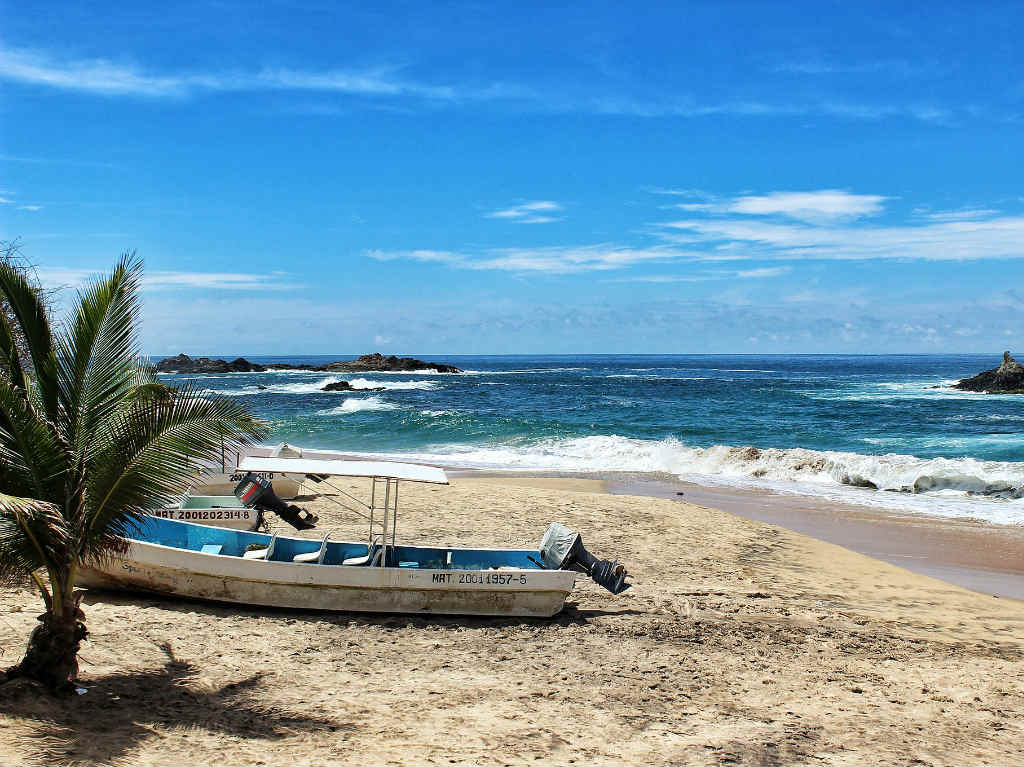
878,430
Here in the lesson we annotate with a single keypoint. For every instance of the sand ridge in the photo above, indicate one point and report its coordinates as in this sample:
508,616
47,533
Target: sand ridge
739,643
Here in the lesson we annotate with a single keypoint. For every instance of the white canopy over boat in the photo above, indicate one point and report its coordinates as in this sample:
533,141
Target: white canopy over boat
410,472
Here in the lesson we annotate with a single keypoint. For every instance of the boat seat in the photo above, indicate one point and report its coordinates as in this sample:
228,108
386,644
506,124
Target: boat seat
262,553
211,548
313,557
355,561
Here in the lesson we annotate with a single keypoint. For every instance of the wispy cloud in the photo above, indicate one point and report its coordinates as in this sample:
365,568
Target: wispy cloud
814,65
822,205
175,280
961,239
111,78
552,260
964,214
55,160
528,212
6,198
707,276
819,206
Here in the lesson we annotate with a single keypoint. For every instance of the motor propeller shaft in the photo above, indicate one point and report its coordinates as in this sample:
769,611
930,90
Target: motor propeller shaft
562,549
258,493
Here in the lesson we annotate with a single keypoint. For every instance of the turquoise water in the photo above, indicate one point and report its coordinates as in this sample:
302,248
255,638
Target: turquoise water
879,430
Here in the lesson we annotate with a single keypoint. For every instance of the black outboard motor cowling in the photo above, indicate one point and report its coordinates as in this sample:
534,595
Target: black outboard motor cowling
258,493
562,549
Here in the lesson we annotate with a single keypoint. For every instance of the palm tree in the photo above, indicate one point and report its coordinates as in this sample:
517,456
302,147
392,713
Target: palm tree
88,441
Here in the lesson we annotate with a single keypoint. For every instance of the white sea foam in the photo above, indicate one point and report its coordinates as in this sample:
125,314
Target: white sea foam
358,406
437,413
316,387
666,378
952,487
904,390
362,383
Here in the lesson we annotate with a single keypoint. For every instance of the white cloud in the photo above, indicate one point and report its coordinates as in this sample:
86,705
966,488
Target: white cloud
821,205
8,201
768,271
965,214
171,280
110,78
552,260
528,212
990,238
120,78
707,276
697,193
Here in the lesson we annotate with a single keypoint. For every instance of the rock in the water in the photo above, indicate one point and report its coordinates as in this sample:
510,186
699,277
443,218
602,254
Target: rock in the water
346,386
370,363
182,363
1008,378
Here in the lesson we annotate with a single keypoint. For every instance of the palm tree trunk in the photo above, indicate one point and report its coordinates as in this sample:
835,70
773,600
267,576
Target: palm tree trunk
52,654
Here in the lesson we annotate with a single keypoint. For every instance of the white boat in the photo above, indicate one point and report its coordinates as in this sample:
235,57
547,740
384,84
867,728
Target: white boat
376,575
221,479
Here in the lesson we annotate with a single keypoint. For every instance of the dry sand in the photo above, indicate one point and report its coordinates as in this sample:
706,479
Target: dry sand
739,643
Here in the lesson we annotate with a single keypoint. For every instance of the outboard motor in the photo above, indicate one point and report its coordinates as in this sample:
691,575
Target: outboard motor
562,549
259,494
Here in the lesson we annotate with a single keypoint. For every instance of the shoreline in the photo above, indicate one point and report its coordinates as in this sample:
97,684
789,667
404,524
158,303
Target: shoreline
981,556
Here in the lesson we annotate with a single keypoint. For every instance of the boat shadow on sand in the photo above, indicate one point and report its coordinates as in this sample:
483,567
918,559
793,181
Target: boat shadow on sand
123,709
571,615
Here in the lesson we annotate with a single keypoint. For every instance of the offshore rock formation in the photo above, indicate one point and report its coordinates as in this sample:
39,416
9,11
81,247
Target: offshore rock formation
346,386
182,363
368,363
1008,378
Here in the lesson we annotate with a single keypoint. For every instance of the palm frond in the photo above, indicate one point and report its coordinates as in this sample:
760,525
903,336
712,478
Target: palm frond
97,354
32,535
10,360
33,459
150,452
30,310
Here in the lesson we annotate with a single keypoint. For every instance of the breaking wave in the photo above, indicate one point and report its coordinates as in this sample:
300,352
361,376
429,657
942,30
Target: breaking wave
358,406
316,387
990,490
362,383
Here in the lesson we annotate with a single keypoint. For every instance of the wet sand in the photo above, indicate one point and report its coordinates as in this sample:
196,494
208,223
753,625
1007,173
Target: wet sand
740,642
976,555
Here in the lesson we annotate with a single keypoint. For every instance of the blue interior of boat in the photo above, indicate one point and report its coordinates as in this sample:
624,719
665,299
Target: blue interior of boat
234,543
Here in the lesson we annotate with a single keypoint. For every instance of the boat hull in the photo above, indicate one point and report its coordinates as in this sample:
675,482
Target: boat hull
286,486
167,570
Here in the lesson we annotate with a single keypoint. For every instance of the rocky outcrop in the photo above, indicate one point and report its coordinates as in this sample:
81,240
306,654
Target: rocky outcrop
346,386
1008,378
368,363
182,363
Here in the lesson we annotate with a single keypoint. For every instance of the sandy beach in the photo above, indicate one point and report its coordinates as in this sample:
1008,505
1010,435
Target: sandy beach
740,642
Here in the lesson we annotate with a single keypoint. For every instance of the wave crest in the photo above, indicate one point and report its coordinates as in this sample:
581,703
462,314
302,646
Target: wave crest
358,406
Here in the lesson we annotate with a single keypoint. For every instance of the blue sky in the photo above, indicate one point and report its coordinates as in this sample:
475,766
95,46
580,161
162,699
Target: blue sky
475,178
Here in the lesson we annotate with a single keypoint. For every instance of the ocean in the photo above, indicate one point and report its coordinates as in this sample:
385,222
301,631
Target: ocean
884,431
